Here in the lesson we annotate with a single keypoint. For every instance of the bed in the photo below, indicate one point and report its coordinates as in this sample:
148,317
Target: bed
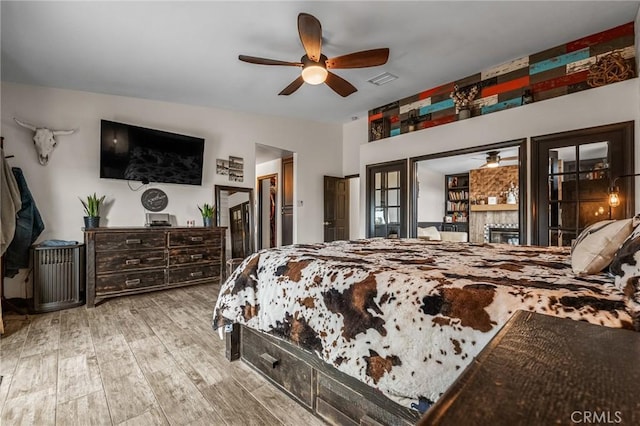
406,316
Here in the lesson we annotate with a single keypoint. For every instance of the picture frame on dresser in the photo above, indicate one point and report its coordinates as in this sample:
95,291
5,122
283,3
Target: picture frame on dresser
131,260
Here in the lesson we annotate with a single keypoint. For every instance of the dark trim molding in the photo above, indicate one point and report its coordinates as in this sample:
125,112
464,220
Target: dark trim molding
522,180
403,194
623,131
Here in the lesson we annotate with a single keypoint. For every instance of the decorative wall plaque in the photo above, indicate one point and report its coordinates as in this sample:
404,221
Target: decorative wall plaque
154,199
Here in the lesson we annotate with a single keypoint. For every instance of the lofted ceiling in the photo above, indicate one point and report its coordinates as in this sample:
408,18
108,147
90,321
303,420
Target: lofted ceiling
187,52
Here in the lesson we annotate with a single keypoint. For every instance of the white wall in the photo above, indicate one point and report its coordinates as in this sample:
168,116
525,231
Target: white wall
73,168
354,208
608,104
431,196
352,134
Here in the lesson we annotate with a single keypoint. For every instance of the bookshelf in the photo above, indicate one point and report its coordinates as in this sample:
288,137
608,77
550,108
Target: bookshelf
457,198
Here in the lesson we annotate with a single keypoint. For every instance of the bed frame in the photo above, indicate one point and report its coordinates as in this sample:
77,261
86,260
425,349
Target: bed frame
319,387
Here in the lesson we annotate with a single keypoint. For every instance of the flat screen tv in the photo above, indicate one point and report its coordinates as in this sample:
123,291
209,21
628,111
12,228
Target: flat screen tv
148,155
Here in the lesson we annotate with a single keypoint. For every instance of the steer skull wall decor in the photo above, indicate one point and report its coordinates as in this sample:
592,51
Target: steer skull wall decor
44,140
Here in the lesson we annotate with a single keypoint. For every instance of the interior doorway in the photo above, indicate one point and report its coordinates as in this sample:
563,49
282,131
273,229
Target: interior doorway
267,225
479,193
275,196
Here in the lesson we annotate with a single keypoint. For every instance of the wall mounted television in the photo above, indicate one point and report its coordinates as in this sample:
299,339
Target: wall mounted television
148,155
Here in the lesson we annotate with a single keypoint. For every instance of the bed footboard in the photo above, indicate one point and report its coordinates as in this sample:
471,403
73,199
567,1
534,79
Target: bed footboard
317,386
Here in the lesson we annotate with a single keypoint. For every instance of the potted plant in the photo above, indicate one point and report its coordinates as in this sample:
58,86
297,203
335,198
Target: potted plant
207,211
92,210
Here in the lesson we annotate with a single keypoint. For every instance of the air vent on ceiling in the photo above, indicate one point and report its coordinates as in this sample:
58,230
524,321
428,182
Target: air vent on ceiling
383,78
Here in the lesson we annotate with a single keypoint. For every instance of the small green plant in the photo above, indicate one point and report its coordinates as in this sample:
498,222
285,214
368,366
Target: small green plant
207,210
92,205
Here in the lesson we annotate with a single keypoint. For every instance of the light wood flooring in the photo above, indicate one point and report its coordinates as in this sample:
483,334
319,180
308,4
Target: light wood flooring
148,359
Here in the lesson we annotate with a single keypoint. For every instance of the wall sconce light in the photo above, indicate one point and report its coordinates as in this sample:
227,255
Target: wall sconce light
614,190
614,196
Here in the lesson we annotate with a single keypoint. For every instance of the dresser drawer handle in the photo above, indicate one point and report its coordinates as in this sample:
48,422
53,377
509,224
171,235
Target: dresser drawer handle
132,282
132,261
196,274
196,256
196,239
133,241
269,360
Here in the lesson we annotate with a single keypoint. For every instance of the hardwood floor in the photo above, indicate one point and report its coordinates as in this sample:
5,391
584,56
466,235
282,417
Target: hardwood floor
149,359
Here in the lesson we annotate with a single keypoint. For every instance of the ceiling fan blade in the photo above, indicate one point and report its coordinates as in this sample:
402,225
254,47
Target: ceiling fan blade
264,61
509,158
310,32
365,58
295,85
339,85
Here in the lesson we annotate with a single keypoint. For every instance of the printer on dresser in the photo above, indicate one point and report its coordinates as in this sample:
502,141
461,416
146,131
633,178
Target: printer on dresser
133,260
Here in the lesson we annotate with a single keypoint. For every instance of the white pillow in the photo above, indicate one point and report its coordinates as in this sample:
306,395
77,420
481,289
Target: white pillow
596,246
429,233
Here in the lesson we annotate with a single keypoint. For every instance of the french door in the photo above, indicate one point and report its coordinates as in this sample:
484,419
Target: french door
387,199
572,172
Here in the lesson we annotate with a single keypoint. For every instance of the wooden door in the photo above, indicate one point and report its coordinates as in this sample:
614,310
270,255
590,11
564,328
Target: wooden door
336,208
287,201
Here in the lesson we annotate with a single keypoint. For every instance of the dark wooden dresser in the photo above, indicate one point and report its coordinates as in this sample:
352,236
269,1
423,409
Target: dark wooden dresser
134,260
543,370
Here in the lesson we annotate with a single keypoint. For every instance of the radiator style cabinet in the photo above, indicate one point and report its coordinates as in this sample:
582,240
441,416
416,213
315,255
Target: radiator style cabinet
124,261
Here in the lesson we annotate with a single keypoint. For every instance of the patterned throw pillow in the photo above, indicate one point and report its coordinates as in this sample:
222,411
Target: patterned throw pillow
595,247
626,268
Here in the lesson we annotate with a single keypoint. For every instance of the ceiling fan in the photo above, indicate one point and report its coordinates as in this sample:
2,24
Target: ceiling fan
493,159
315,66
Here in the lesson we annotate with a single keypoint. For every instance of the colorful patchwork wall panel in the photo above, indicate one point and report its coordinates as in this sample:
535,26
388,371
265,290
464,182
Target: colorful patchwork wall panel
558,71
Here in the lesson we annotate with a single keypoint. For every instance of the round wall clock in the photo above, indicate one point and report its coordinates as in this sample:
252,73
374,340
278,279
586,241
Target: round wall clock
154,200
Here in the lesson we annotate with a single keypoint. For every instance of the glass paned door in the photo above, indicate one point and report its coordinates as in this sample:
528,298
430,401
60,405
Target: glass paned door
387,200
578,190
572,175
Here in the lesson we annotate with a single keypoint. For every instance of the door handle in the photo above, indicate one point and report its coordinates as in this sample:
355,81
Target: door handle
327,223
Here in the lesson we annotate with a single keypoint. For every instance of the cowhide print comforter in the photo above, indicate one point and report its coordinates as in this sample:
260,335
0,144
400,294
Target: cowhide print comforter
407,316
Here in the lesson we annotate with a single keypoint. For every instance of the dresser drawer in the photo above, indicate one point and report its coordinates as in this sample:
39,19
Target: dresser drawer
129,280
186,256
118,261
193,238
129,240
191,273
283,368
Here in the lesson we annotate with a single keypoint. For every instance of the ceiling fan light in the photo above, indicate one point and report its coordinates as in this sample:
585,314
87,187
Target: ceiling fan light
493,164
314,74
